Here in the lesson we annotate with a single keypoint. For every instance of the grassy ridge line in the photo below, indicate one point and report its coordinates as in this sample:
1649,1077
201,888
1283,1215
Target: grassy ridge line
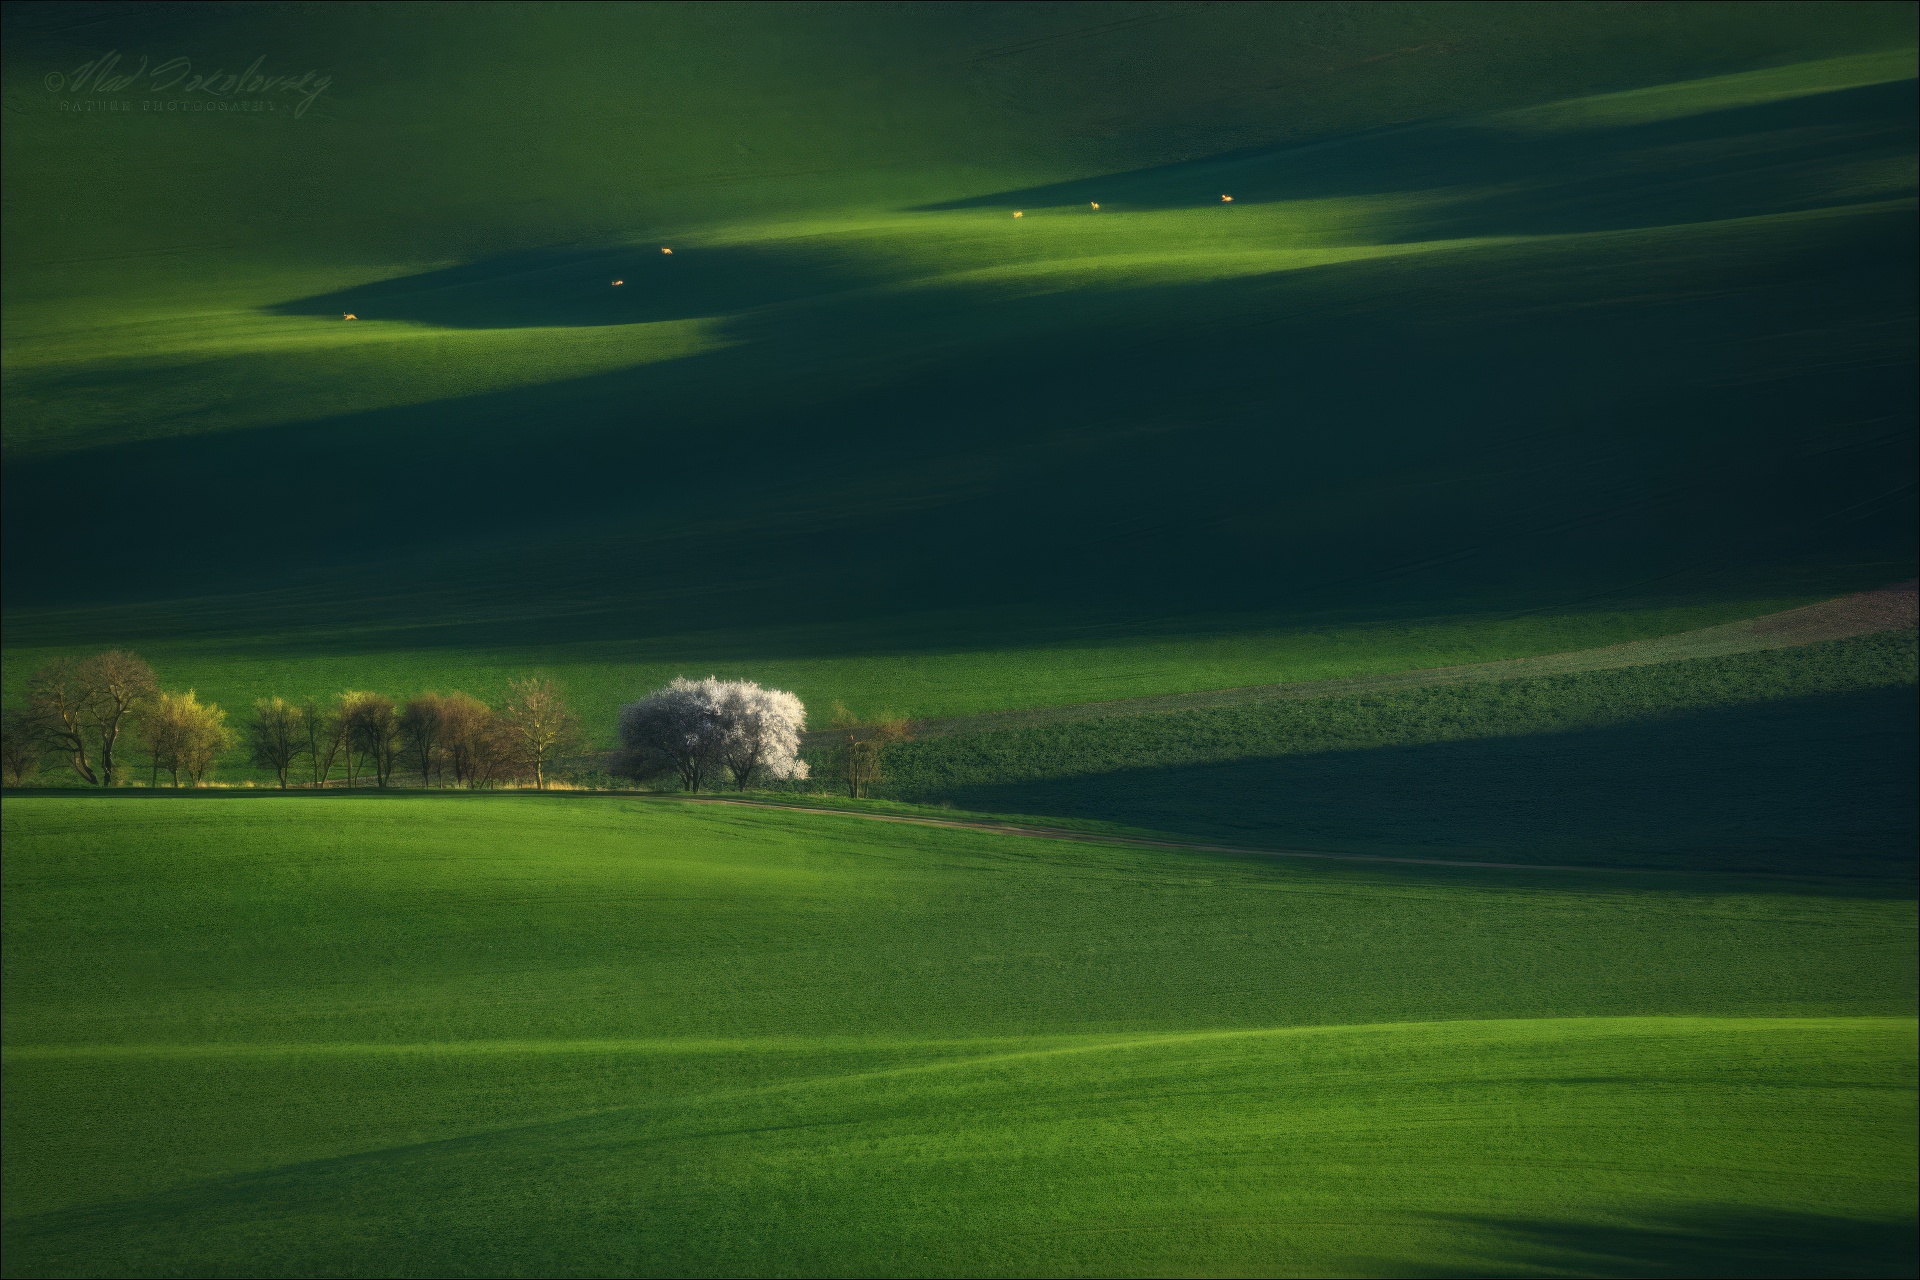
1394,715
1108,837
1794,762
1035,827
1863,613
823,665
996,1048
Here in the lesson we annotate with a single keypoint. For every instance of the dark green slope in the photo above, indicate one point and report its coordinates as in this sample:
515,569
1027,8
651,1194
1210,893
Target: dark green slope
1798,764
1563,421
457,130
1614,319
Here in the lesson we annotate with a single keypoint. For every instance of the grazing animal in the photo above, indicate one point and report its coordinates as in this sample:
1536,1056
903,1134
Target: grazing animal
349,316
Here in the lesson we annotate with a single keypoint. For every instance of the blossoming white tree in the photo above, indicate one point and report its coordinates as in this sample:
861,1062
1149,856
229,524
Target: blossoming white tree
761,731
693,727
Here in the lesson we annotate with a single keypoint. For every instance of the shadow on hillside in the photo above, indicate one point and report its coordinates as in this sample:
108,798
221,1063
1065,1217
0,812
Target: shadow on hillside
1814,786
574,287
1590,414
1800,153
1729,163
1708,1242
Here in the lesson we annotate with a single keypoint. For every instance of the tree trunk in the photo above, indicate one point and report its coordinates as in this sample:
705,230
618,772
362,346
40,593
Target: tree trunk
109,737
76,739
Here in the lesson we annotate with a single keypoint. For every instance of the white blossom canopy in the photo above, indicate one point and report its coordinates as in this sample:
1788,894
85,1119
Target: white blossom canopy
693,727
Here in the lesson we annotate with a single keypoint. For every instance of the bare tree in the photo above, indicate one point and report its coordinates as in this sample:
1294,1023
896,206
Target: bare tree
350,709
78,708
540,724
494,759
277,736
466,736
862,746
20,747
423,729
60,708
325,734
120,683
374,729
678,730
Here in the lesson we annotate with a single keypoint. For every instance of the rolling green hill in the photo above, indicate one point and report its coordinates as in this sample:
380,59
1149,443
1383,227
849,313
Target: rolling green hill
1523,332
915,357
505,1035
1791,761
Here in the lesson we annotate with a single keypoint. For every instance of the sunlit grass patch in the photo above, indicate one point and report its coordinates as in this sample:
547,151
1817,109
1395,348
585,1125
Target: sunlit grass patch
1716,93
247,1032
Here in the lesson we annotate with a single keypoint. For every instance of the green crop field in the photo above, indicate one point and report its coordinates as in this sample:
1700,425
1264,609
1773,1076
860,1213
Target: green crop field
1795,761
1147,401
494,1035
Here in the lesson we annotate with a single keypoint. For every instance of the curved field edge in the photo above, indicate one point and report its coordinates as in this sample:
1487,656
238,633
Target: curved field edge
1894,608
1414,659
1504,702
947,686
1794,761
1626,1145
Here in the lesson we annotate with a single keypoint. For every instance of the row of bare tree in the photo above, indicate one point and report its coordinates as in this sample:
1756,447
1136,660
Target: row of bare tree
84,714
90,714
441,737
860,746
76,711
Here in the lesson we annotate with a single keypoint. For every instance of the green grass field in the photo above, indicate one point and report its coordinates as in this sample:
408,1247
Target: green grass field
1529,329
494,1035
1786,761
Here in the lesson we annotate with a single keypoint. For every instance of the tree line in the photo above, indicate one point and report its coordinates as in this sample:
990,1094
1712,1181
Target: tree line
90,715
94,715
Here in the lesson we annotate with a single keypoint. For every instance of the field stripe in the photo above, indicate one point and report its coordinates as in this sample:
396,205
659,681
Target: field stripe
987,1049
1141,842
1894,608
